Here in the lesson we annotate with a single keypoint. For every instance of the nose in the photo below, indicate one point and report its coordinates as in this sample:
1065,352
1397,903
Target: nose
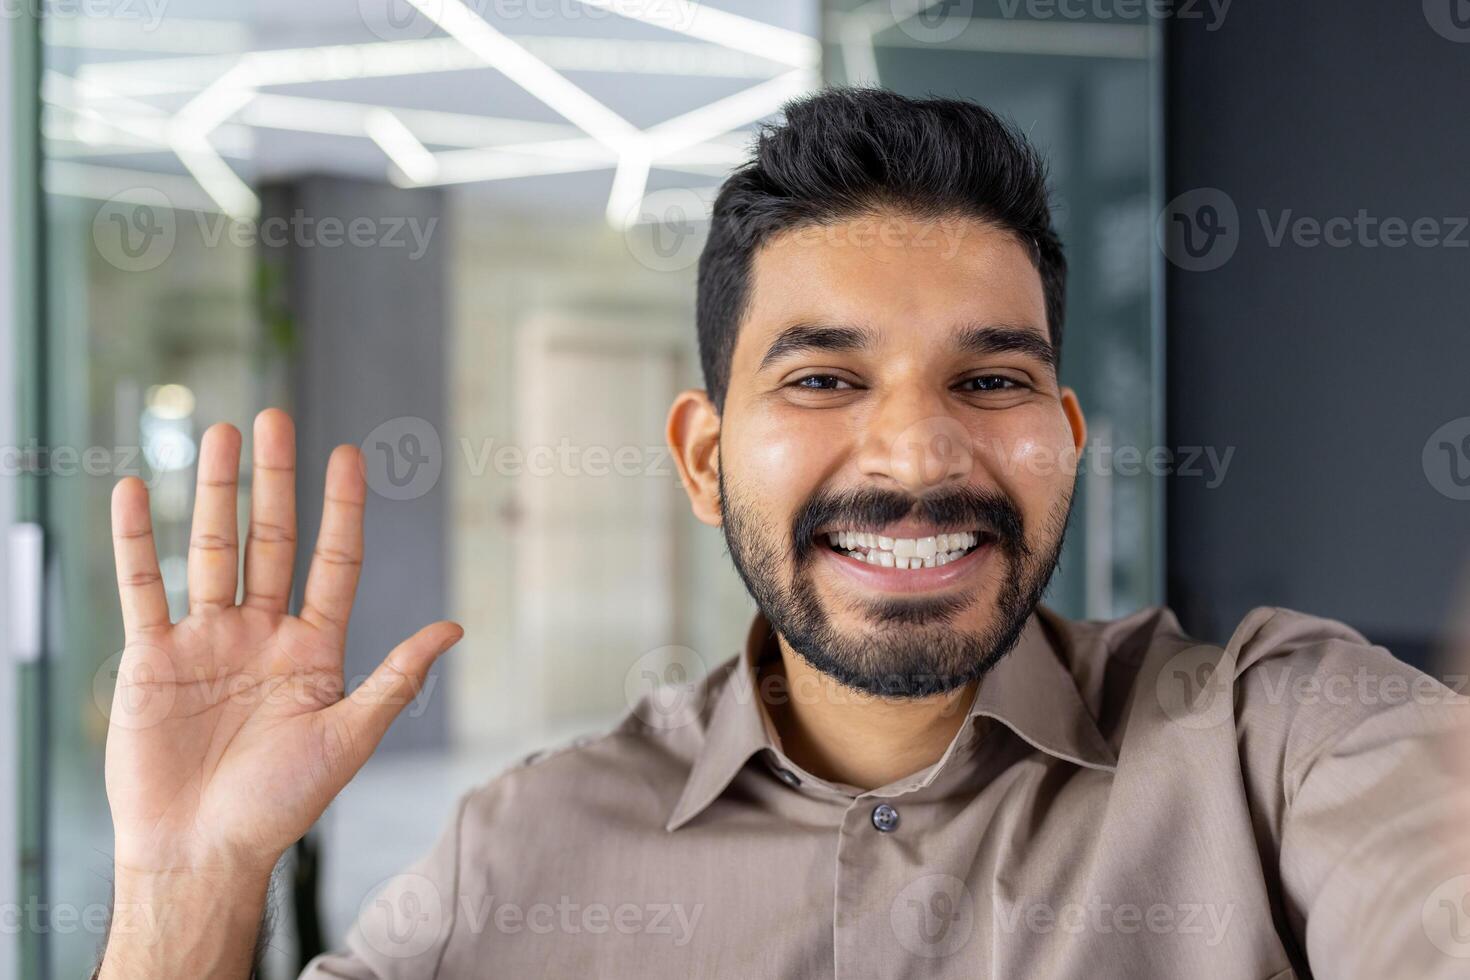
912,440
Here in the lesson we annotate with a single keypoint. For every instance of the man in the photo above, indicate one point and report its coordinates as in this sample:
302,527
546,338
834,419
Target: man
914,769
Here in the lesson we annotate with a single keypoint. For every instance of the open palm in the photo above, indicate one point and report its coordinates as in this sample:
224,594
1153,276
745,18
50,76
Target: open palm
230,732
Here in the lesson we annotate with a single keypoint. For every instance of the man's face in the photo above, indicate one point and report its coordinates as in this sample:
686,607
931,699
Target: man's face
892,385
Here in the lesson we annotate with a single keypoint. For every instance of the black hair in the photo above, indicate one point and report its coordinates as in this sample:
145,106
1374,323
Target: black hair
844,153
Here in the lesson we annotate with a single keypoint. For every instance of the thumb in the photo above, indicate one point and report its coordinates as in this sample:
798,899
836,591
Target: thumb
366,713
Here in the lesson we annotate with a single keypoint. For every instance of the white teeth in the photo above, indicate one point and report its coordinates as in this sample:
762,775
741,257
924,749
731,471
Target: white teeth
905,553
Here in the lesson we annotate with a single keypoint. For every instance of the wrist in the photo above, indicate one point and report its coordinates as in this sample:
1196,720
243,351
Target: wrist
184,922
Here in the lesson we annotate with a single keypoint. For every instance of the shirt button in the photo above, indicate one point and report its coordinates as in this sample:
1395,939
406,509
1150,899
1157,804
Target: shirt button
885,818
788,777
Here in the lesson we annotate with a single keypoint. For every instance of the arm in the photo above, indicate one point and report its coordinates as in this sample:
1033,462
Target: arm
230,732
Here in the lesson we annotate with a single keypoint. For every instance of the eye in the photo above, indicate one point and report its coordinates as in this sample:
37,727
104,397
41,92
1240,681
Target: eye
989,382
821,382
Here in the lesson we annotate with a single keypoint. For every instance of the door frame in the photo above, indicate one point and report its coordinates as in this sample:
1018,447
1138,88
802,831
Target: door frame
22,953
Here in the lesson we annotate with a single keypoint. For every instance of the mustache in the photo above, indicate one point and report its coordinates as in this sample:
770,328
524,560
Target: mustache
983,508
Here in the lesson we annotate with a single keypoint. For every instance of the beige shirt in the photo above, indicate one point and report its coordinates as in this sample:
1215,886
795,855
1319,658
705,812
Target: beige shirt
1125,803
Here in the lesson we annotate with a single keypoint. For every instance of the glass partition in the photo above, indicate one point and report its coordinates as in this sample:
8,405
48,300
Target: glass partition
565,263
1084,87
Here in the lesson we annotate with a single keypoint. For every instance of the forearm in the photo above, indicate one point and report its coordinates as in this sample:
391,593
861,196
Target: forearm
184,925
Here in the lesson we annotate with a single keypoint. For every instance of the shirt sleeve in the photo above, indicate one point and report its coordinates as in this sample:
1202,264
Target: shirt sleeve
403,928
1372,802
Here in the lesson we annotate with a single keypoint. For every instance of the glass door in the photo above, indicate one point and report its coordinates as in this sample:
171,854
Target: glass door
1085,89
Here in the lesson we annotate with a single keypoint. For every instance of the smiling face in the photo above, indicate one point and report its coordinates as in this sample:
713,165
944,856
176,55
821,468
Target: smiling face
895,460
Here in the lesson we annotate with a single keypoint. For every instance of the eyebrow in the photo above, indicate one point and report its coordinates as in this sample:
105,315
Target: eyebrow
978,339
802,337
1003,339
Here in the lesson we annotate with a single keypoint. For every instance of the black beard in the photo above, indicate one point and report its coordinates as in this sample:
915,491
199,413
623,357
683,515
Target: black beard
913,652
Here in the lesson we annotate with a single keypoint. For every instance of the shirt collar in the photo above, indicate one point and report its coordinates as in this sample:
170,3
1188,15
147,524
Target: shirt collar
1030,691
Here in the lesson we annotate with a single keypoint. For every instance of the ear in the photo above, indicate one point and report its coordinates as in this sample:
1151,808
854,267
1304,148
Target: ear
694,438
1072,408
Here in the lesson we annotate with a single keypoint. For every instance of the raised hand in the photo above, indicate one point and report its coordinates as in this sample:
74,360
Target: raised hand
229,732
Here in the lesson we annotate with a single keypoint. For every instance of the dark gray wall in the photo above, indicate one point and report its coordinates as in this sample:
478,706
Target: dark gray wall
367,325
1327,368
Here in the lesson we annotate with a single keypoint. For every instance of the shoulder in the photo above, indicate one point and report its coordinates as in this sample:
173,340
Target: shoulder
1297,679
1288,687
1308,687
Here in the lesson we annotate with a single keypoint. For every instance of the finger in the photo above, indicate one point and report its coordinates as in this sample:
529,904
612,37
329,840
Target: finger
139,586
271,544
337,561
214,548
363,717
